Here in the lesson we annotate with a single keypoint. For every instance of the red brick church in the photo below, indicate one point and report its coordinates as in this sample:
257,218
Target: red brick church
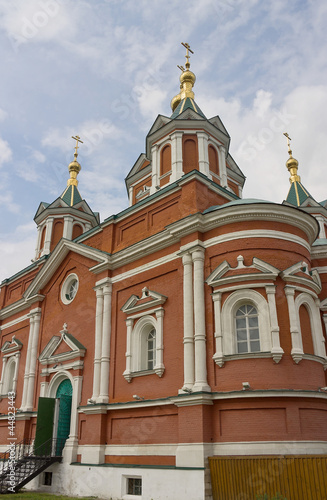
189,328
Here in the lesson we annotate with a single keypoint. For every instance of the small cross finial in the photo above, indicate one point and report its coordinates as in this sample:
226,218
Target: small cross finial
65,326
288,142
77,139
188,49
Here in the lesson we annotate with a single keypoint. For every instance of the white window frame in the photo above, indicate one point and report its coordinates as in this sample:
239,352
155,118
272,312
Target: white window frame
247,329
65,288
8,384
138,328
315,322
233,302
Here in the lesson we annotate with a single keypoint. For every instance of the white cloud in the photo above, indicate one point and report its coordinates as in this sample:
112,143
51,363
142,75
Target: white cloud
13,256
5,152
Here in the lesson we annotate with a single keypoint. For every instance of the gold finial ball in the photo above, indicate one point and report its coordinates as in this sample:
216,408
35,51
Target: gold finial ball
175,101
74,166
292,163
187,77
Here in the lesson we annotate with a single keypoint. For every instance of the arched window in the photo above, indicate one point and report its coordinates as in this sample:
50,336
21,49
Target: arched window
165,160
213,160
9,381
190,155
151,349
77,231
57,233
247,329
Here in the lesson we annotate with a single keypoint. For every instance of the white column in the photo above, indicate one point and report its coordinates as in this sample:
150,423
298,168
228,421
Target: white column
203,153
325,321
48,234
128,371
159,366
201,383
276,350
68,227
155,169
188,339
297,349
87,226
218,357
105,345
222,166
71,445
322,232
33,357
15,379
177,156
38,243
98,340
130,195
318,336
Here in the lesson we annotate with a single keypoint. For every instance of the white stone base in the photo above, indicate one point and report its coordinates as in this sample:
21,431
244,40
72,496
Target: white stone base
111,482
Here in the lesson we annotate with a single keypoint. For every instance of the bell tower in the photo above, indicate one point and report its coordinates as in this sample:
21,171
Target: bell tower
68,216
185,142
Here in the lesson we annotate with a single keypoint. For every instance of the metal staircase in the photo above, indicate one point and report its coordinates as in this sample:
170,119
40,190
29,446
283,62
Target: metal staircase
23,461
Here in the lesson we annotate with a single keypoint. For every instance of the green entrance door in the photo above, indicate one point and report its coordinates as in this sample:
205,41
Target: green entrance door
44,426
64,394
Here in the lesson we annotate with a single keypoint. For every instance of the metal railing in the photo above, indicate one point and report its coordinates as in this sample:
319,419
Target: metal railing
23,461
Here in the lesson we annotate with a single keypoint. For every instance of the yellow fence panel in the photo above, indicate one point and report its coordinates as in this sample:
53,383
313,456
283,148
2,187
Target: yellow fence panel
243,478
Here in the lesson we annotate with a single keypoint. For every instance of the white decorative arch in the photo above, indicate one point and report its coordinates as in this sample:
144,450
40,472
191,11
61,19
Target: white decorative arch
56,381
315,321
139,334
231,305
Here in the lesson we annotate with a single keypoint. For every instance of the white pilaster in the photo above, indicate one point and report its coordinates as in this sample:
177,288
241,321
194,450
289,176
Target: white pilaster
276,350
297,349
68,227
201,383
219,354
155,168
14,385
188,322
38,242
36,317
105,347
159,367
130,195
321,221
48,234
203,153
128,371
318,336
222,166
177,156
70,449
98,340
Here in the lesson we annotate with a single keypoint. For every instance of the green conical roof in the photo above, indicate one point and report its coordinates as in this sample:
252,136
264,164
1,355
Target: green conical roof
297,194
184,104
71,195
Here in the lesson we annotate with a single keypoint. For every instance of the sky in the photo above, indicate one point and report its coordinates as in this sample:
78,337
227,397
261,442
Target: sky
104,69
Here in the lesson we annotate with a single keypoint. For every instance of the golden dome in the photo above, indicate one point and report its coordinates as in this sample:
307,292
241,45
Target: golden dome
292,163
175,101
187,77
74,167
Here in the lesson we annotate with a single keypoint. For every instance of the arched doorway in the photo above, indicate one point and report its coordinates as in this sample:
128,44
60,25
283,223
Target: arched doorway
64,395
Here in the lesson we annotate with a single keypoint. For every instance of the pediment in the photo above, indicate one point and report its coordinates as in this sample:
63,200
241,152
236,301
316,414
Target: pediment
61,348
159,122
190,114
139,166
60,206
300,273
259,269
216,121
310,202
148,299
11,346
57,257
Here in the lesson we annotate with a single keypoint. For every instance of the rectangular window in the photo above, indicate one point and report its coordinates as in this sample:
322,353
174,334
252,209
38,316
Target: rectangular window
134,486
47,479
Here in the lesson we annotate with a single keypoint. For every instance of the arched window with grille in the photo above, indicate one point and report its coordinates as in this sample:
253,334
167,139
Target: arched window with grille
247,329
151,349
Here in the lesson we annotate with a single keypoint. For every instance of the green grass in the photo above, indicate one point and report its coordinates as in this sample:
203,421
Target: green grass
31,495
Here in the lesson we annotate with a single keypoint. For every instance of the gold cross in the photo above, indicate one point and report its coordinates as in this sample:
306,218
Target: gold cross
77,139
288,142
188,49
